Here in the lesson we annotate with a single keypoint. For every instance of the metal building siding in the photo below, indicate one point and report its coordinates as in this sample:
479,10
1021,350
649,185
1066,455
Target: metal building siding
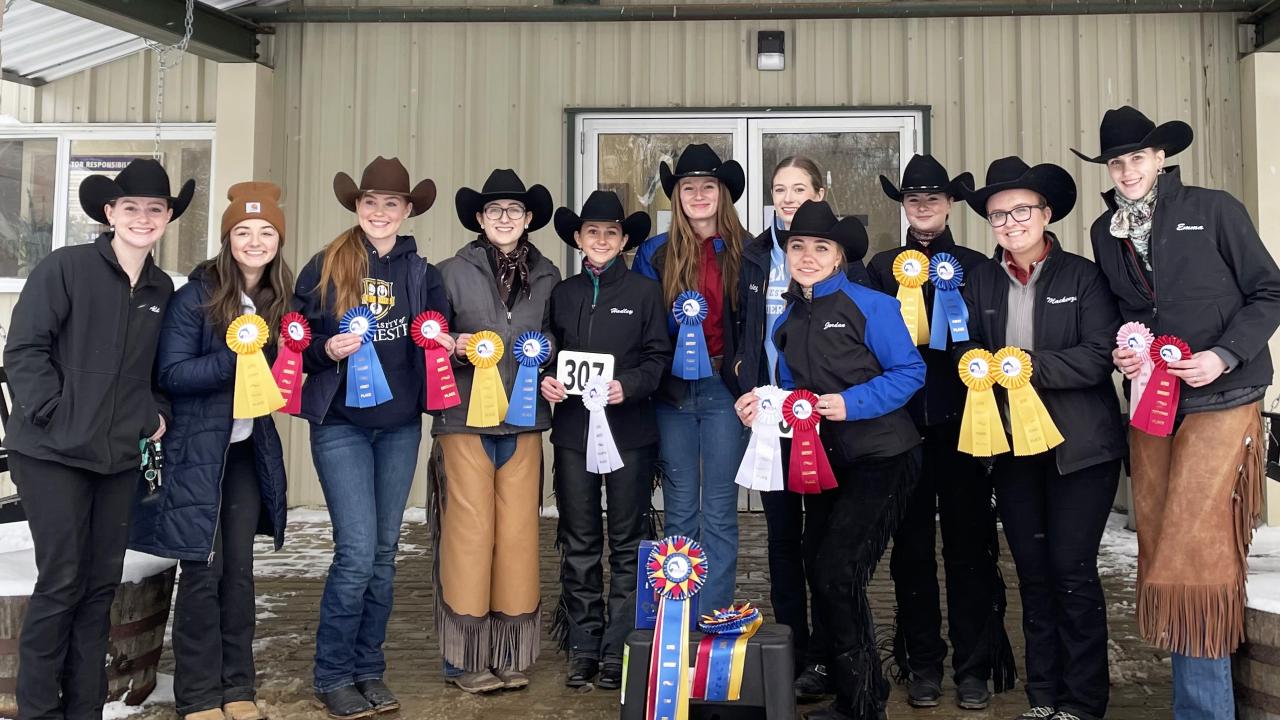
123,91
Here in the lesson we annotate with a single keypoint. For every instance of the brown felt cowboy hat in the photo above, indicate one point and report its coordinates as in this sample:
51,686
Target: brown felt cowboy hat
140,178
387,176
1126,129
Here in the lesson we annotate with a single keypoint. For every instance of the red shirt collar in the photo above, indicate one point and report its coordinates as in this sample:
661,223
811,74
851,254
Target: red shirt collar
1024,276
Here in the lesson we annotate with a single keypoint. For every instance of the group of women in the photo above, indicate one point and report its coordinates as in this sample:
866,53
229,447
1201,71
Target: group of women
794,307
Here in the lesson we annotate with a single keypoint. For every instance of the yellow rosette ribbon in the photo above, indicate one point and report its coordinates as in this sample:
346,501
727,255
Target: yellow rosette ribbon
1029,421
256,393
488,404
981,434
911,270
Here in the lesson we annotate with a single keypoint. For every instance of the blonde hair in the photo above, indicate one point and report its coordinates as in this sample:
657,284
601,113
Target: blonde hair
345,265
683,262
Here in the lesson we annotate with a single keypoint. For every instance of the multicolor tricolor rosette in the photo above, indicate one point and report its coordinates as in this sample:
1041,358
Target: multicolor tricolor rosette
676,568
722,652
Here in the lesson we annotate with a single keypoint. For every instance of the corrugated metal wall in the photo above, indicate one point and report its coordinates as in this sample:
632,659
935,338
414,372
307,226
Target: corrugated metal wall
455,101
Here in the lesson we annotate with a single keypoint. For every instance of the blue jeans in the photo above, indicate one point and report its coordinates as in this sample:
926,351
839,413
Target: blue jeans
1202,688
365,474
701,448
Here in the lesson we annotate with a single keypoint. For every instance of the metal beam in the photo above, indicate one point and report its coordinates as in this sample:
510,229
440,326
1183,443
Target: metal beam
216,35
1266,27
729,11
14,77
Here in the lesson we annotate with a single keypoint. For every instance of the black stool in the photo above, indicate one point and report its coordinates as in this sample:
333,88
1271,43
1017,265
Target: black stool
766,678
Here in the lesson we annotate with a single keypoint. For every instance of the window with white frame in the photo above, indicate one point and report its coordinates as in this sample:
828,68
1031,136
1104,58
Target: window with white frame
41,167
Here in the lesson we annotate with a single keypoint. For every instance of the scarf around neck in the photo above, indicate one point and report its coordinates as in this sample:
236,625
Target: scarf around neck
509,266
1132,219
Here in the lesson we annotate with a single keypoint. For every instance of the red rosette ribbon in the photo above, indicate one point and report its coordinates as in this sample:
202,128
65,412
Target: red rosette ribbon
295,336
441,387
809,471
1158,407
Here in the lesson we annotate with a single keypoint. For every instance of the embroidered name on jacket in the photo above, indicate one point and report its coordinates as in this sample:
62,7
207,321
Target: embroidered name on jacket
830,325
1184,226
1058,301
621,311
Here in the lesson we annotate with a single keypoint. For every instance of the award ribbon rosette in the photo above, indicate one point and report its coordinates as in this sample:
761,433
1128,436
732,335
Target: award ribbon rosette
911,270
1158,407
531,350
287,371
366,382
441,387
1137,337
676,568
810,470
1029,421
722,652
946,274
602,451
488,400
761,467
256,393
691,361
981,433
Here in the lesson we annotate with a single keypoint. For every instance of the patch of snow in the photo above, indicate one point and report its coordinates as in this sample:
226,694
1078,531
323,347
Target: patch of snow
162,694
14,536
416,515
550,512
1264,570
1118,552
18,562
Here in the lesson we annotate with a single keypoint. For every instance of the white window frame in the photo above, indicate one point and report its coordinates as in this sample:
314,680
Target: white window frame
66,133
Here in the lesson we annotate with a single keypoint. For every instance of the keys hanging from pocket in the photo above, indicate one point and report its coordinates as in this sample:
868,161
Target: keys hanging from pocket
152,463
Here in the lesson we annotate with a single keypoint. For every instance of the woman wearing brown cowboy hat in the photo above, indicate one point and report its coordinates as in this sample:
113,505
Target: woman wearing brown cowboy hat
365,456
1187,262
486,481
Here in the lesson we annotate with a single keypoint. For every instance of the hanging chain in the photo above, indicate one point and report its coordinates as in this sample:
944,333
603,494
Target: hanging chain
167,58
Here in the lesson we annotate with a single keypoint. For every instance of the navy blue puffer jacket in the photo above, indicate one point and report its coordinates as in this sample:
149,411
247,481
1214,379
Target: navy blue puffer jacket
197,371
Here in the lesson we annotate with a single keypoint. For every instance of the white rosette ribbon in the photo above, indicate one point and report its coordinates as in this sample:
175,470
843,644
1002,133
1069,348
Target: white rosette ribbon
602,452
761,467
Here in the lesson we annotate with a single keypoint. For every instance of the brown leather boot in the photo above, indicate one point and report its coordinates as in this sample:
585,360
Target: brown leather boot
242,710
214,714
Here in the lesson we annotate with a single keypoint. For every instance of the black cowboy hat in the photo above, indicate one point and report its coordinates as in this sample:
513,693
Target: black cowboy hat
1125,130
603,206
701,161
140,178
388,177
503,185
924,174
1011,173
816,219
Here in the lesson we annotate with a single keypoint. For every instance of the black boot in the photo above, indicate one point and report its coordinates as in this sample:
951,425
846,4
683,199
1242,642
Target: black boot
813,684
345,703
582,670
861,689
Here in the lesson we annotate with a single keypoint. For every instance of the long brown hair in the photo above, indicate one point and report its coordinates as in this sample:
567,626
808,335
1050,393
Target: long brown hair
683,260
271,297
345,264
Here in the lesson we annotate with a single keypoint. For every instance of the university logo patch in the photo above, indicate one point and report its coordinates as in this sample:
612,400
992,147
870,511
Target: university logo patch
378,296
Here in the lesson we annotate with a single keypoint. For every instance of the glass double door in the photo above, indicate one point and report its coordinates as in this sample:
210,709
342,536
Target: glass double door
622,152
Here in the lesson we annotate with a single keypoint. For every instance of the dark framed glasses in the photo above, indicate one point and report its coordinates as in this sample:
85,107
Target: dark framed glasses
1021,213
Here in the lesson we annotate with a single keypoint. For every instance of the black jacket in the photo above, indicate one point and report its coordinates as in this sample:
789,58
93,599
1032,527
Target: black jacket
750,367
198,371
851,340
1075,329
423,290
942,399
1212,282
627,320
80,359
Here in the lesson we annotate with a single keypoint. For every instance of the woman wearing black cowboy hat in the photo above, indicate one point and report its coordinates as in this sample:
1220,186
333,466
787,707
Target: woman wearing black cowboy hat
486,482
79,357
702,440
868,436
1194,255
1054,505
954,488
365,456
604,309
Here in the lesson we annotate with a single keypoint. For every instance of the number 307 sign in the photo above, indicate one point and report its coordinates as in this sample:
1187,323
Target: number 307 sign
576,369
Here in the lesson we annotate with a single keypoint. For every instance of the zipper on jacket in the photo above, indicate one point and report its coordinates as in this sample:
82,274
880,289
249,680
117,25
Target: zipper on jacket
1137,267
222,476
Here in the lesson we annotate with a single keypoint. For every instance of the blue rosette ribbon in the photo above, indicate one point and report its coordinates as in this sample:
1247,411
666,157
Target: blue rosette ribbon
531,351
366,382
691,361
676,568
947,275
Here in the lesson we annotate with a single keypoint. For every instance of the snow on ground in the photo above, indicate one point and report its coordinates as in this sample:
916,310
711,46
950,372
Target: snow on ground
1118,552
1264,570
162,694
18,563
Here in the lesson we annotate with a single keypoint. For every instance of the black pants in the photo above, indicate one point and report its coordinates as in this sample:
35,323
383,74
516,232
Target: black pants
592,630
846,534
1054,523
79,524
788,583
214,616
954,489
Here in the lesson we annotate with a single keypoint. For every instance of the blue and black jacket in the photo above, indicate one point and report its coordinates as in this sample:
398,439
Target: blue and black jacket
851,340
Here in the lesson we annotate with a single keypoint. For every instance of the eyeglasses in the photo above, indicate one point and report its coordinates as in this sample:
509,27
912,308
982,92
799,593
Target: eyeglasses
1022,213
495,212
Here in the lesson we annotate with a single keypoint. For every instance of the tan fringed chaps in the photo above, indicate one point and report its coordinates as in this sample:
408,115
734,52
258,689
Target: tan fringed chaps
488,611
1197,495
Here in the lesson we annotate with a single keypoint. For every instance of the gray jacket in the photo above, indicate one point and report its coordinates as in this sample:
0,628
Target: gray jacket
473,293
